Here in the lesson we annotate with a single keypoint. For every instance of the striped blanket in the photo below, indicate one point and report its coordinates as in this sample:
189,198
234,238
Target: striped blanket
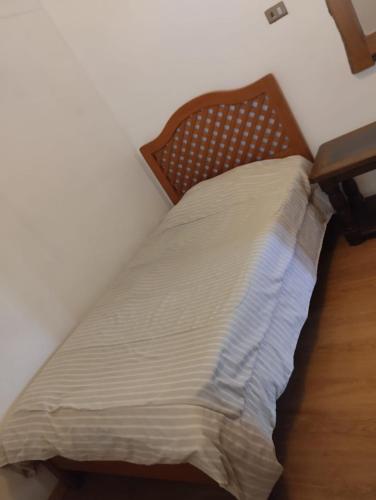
183,359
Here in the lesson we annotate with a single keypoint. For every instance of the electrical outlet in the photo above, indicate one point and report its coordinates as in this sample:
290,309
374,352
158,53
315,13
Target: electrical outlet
276,12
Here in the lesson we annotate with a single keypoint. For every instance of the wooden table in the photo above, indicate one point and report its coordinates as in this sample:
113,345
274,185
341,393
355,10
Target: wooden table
337,163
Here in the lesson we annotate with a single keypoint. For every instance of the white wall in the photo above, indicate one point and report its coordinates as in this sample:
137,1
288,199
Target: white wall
147,57
366,10
15,487
75,202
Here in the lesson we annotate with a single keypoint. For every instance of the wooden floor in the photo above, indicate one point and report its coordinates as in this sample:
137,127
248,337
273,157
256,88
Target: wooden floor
326,434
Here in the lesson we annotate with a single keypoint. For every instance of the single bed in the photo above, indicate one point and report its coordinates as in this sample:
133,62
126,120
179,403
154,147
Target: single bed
176,371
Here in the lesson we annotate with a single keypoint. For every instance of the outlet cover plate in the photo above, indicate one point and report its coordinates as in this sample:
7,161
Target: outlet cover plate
276,12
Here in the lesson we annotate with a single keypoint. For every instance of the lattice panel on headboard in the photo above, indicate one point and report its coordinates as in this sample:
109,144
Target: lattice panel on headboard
220,131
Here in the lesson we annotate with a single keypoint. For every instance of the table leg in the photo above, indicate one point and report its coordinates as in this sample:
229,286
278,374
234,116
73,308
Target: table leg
353,194
343,209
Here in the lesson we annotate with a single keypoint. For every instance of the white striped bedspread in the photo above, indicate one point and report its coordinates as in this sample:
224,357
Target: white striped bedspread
183,359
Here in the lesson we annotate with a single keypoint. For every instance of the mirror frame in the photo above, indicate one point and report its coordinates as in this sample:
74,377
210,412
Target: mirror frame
360,48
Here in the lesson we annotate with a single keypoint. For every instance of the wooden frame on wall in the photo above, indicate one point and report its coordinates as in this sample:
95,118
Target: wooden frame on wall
360,48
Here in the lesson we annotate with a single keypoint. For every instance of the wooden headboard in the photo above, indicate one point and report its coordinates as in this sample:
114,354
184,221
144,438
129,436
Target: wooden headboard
216,132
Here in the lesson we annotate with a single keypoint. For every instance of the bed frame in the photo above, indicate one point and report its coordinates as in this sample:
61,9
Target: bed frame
222,130
209,135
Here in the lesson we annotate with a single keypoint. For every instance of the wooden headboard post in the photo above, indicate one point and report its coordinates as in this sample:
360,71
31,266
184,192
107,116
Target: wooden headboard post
218,131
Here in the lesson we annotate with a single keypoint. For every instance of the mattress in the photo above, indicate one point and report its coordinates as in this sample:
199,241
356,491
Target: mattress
184,357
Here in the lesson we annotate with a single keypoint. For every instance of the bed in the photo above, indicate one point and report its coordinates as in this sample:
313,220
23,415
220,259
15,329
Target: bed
176,371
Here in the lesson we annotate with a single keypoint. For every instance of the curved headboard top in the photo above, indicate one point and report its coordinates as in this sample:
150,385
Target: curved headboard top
218,131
